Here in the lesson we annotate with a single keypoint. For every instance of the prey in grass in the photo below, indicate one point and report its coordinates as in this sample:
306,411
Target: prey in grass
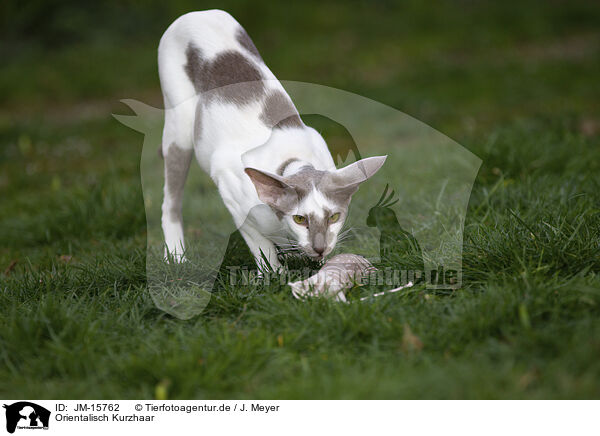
339,273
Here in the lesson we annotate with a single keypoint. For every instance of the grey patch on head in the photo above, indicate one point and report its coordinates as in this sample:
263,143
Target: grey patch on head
317,231
177,165
308,178
230,75
245,41
340,195
285,164
305,180
273,190
279,112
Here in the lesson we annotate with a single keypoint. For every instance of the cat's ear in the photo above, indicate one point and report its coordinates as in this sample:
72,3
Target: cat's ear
345,181
273,190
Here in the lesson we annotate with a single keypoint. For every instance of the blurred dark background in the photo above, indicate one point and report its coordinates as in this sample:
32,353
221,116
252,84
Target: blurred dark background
442,61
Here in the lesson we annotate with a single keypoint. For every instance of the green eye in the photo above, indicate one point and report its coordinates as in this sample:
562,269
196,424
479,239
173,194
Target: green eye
299,219
334,218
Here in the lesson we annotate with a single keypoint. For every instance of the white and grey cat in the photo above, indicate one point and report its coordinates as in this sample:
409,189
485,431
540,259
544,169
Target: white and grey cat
275,175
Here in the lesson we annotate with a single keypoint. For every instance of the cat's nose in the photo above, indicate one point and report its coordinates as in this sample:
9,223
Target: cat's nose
318,244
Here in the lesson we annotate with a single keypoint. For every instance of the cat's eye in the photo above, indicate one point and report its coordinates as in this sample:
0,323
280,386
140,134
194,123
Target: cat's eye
334,218
299,219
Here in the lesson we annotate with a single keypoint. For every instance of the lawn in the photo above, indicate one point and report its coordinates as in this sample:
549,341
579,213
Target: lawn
516,83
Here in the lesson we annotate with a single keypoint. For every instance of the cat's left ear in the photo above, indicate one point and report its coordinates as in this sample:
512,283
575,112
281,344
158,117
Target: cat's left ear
345,181
273,190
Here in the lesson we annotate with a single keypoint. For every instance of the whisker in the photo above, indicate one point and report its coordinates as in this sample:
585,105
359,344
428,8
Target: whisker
289,248
346,232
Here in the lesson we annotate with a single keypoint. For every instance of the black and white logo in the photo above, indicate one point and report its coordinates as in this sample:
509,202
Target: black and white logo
26,415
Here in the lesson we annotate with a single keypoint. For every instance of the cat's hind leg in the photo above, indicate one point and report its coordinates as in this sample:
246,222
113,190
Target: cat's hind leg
177,150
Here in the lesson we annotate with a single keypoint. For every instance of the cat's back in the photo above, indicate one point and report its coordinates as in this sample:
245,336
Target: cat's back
214,30
221,91
206,52
212,73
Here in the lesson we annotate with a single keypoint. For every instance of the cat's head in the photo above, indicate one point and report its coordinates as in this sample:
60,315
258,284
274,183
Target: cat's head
313,204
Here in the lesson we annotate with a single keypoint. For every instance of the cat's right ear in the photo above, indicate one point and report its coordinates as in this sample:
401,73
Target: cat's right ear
272,190
343,183
358,172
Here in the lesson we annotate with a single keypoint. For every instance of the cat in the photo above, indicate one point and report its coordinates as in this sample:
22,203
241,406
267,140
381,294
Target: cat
275,175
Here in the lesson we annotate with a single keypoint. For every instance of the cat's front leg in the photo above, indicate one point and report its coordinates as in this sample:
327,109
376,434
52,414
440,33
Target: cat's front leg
261,248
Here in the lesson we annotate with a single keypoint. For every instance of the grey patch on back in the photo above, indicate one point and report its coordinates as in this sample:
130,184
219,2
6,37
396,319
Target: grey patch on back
285,164
194,68
230,68
245,41
279,112
177,165
227,68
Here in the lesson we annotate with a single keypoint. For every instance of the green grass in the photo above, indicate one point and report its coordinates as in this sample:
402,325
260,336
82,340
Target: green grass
517,84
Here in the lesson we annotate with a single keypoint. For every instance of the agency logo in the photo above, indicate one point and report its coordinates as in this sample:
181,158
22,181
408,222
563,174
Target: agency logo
413,233
26,415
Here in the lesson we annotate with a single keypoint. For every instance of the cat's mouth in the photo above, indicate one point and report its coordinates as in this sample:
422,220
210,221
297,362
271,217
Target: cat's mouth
310,252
